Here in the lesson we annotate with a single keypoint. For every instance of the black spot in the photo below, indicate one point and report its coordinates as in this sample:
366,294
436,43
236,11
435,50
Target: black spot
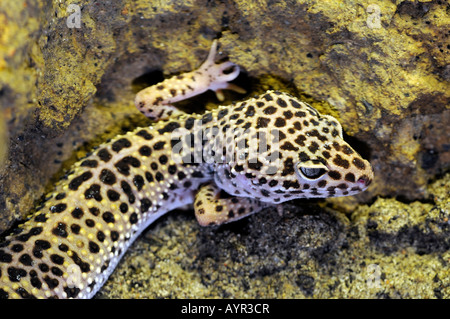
133,218
145,205
334,133
93,247
104,155
128,191
334,175
107,177
250,111
75,228
149,177
154,166
265,193
159,176
89,163
300,140
42,244
339,161
23,237
163,159
207,118
35,281
5,257
138,181
350,177
146,135
101,236
221,114
270,110
145,151
359,163
15,274
72,292
280,122
313,147
197,174
93,192
326,154
190,123
41,218
281,102
267,97
51,282
60,196
289,147
77,181
77,260
44,267
58,208
60,230
342,186
123,166
273,183
288,167
288,114
108,217
347,150
123,208
322,183
256,165
300,114
170,127
159,145
94,211
90,223
114,235
181,175
17,248
172,169
187,184
77,213
113,195
3,294
289,184
295,104
120,144
57,259
63,247
262,122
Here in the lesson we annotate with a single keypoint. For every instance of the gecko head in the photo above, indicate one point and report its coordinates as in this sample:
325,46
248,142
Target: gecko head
304,156
340,175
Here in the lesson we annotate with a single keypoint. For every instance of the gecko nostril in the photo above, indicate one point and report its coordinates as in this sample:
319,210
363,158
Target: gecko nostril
364,180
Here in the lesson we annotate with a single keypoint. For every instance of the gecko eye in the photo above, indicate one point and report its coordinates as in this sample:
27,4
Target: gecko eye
311,170
312,173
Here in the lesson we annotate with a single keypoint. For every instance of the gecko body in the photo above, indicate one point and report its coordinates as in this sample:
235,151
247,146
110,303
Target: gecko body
229,163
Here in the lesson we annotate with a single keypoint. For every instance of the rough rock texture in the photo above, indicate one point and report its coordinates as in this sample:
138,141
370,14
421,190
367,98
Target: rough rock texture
385,76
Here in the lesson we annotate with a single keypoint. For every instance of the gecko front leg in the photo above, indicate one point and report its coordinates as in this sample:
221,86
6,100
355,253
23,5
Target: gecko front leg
214,207
155,102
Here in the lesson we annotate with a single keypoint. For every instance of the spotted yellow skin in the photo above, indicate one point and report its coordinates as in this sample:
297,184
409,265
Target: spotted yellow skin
229,163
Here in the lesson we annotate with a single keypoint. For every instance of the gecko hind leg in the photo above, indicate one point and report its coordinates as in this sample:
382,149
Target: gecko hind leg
213,207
